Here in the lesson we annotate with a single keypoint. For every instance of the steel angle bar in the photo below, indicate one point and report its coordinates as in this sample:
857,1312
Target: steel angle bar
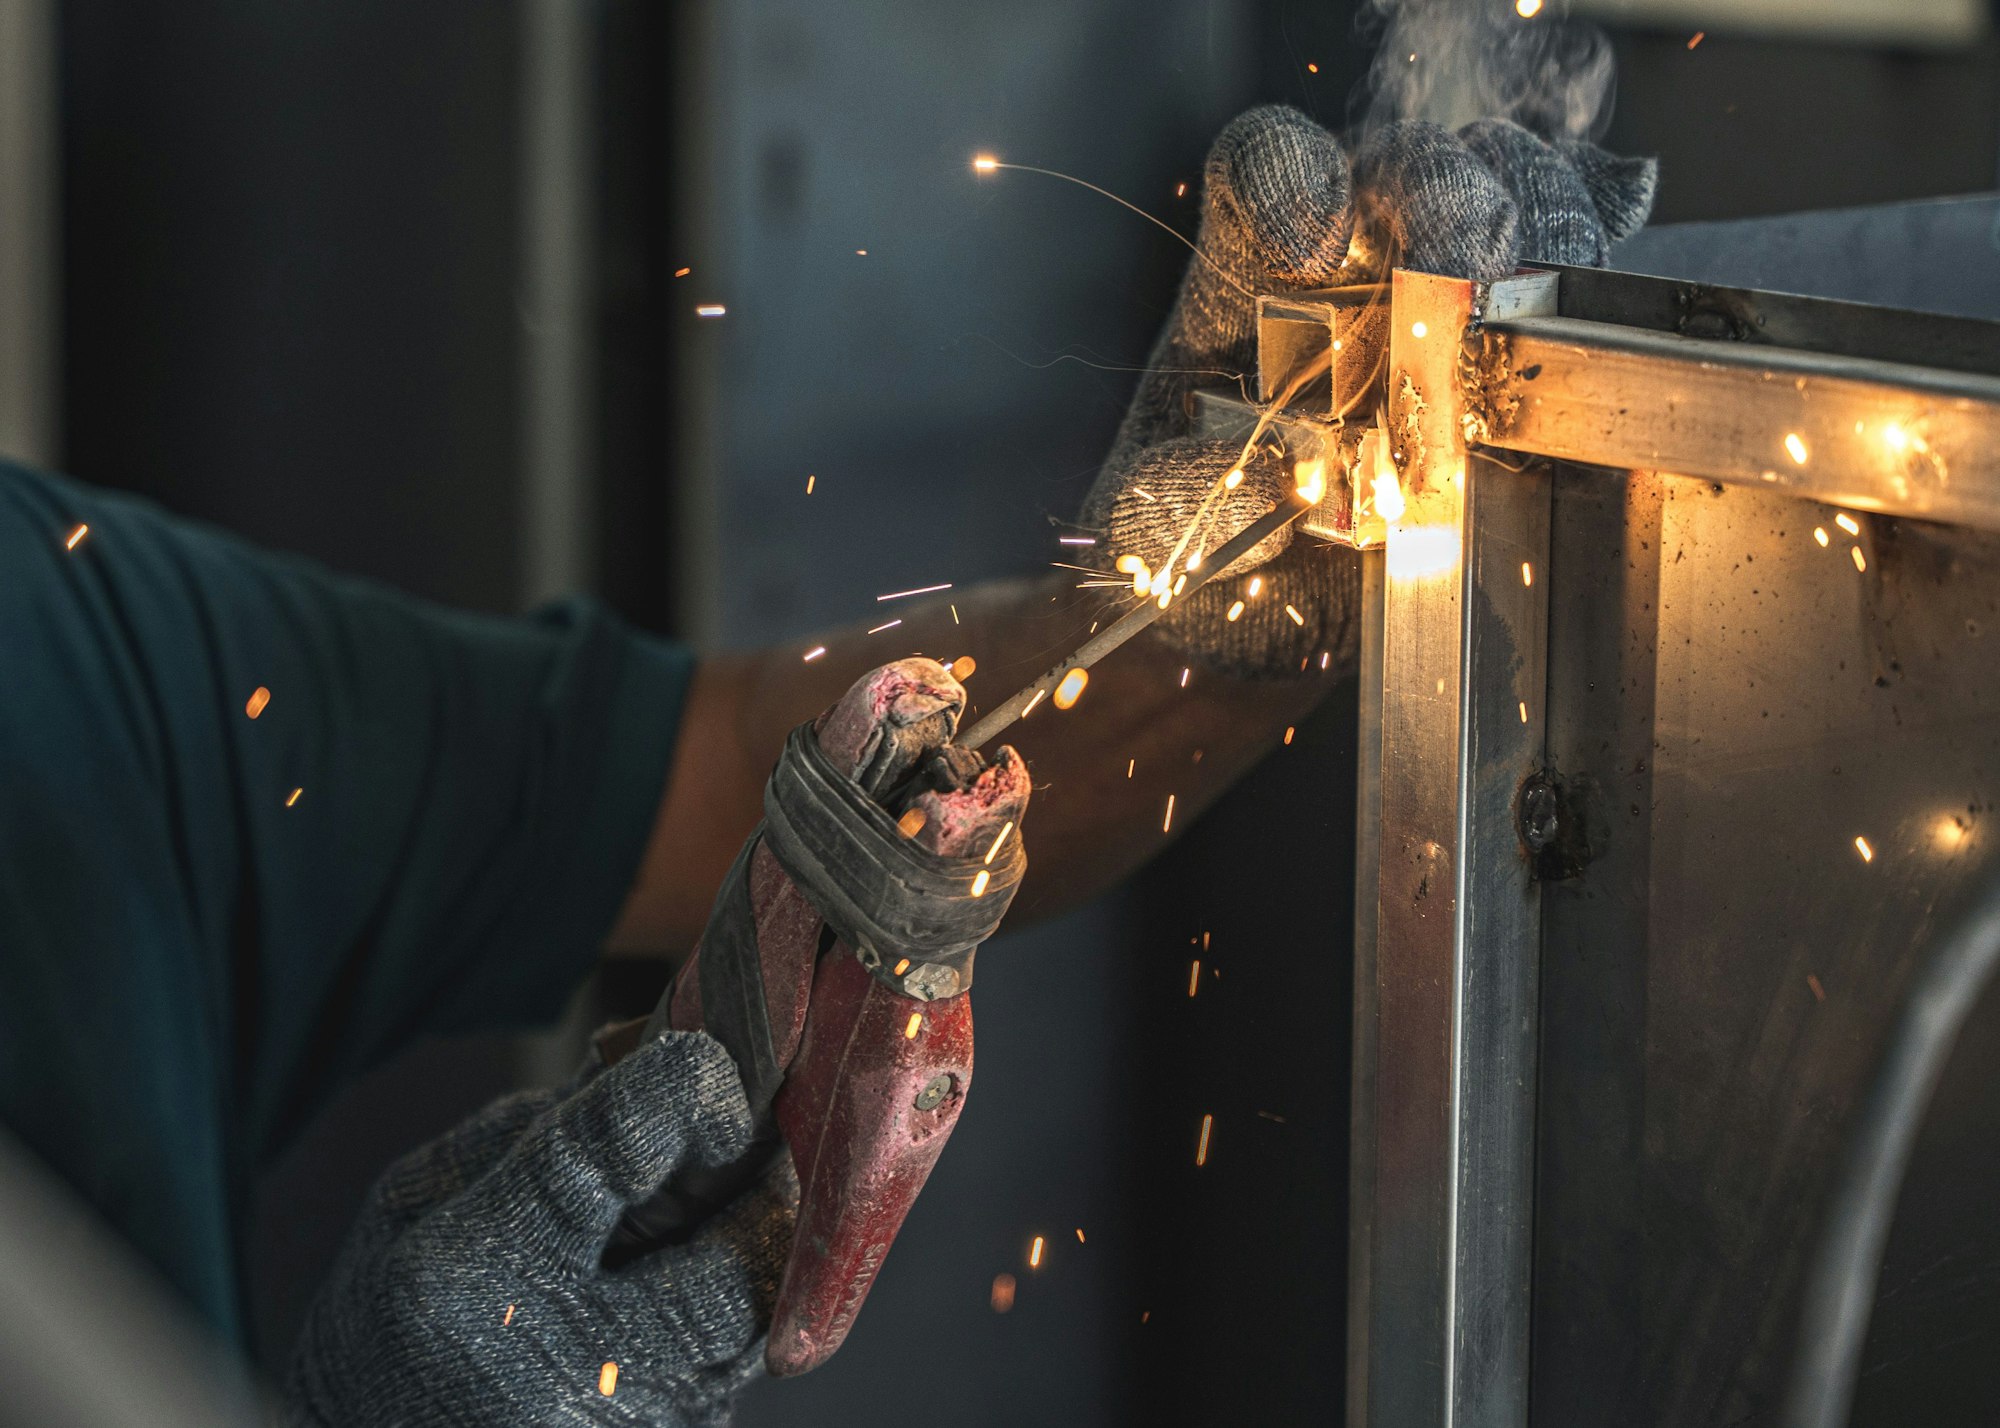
1878,436
1457,927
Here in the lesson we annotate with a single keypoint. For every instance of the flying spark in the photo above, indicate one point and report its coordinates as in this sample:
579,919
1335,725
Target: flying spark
1819,534
1002,1297
963,668
1201,1151
1194,976
1256,586
915,1025
954,614
1290,729
1527,573
1130,764
1860,560
1297,618
1079,1236
1418,329
1795,444
1524,711
607,1379
508,1317
1186,670
1861,846
259,697
710,309
294,798
880,628
984,164
682,272
1848,523
814,653
1040,694
1699,36
76,536
1071,688
1167,823
1235,611
912,822
1076,540
1819,992
1009,828
1311,68
809,484
920,590
979,883
1035,1254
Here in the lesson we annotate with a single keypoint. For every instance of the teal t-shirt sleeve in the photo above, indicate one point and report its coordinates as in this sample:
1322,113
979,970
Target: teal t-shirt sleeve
265,825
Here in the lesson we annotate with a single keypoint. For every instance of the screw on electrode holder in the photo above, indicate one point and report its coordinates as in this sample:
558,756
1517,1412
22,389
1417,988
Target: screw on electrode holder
1549,816
934,1092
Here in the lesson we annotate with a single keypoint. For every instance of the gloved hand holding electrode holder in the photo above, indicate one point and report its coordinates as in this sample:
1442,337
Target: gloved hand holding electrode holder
835,968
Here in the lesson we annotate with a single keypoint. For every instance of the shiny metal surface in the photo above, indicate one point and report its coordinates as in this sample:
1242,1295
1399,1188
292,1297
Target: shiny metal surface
1457,925
1771,755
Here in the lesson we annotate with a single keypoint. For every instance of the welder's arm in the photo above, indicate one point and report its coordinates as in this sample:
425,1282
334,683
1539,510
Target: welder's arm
1091,824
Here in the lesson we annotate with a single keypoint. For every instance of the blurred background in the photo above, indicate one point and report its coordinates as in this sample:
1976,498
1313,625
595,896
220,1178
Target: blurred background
412,289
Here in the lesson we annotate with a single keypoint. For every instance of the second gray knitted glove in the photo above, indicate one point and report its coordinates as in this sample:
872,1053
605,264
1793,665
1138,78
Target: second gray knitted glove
471,1293
1281,206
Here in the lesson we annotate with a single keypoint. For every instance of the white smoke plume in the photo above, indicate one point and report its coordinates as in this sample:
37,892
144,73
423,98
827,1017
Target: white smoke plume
1453,61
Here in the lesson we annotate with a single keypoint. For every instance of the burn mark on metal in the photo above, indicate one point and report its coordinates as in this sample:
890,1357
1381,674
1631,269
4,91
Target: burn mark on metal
1550,815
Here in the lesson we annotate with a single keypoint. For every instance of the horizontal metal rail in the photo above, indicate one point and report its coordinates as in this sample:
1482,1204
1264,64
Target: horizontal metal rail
1877,436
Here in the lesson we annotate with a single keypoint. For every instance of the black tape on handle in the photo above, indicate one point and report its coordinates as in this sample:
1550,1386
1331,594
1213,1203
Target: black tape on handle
888,897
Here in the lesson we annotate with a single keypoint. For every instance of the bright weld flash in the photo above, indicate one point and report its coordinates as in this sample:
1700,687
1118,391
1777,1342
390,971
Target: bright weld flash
1309,479
1527,9
1070,690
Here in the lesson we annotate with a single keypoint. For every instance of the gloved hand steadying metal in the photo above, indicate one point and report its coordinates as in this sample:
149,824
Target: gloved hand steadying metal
1284,211
472,1290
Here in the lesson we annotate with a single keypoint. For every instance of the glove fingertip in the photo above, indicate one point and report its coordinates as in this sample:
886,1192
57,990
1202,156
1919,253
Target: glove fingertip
1621,189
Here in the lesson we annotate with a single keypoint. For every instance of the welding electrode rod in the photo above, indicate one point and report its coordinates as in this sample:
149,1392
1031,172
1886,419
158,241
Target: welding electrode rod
1122,629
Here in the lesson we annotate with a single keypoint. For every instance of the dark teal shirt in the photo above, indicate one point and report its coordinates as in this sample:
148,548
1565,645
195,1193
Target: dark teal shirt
191,959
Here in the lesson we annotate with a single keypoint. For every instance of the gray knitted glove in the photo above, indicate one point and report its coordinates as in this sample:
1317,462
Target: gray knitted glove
471,1292
1279,211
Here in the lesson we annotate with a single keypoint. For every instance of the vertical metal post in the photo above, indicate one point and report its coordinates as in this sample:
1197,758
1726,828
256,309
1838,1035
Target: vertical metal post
1458,916
1367,877
30,234
559,487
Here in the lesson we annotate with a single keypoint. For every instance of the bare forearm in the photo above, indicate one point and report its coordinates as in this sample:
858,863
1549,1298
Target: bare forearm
1104,770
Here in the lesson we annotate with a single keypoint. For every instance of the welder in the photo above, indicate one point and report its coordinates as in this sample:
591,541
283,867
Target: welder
263,826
